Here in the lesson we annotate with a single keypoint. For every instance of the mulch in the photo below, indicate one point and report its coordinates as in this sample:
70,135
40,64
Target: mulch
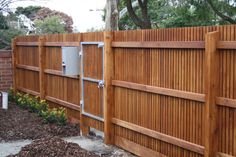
53,147
18,124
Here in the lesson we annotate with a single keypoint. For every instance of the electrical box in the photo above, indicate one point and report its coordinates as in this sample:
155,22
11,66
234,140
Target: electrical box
70,60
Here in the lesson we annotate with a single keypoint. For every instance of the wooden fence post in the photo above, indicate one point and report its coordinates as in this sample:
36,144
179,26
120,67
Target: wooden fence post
14,59
42,61
108,89
211,90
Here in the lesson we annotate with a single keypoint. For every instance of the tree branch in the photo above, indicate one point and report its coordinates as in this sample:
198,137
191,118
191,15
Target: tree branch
143,23
146,19
221,15
132,14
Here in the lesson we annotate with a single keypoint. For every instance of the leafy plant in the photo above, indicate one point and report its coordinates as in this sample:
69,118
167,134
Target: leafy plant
34,104
56,115
50,25
11,95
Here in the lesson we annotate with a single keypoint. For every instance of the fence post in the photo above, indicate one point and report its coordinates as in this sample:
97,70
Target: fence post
42,58
108,89
211,90
14,62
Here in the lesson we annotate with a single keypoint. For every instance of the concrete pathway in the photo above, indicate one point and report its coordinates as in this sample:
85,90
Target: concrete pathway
7,148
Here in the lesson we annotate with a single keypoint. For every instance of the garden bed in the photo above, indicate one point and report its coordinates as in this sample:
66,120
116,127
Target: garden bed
53,147
17,124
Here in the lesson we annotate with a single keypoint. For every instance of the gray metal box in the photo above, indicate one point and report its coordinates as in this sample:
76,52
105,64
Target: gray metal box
70,60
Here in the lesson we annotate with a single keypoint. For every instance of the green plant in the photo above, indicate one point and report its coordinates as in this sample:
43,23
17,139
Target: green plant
56,115
34,104
62,116
11,95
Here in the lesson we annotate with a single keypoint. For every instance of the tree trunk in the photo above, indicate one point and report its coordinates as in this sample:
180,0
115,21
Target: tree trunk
144,21
111,15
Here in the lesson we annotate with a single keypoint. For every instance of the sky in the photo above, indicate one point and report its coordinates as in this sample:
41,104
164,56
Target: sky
79,10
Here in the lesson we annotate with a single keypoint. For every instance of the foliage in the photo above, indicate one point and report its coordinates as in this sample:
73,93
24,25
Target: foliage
181,13
66,19
41,13
56,115
3,22
50,25
29,11
190,13
33,104
6,35
224,9
93,29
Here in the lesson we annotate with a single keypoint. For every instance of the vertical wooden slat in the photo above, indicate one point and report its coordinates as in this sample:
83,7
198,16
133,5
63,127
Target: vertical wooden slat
211,90
14,62
108,89
42,60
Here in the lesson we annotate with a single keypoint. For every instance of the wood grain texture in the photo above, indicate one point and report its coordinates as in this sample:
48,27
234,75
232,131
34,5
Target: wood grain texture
28,91
226,102
108,89
166,138
27,67
59,44
135,148
226,45
42,60
14,63
63,103
161,91
27,43
161,44
212,91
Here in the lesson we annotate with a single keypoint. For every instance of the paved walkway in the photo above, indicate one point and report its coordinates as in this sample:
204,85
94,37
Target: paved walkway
13,147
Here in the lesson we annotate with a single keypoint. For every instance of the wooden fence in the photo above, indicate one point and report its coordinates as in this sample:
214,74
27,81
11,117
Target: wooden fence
168,92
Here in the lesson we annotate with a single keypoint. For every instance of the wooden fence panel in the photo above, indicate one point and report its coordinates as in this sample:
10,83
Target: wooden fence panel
27,66
179,69
227,115
61,90
158,105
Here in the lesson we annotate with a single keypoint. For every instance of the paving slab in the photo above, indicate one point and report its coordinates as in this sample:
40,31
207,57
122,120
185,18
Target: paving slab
14,147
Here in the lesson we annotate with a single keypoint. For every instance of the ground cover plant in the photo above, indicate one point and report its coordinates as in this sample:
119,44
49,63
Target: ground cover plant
40,107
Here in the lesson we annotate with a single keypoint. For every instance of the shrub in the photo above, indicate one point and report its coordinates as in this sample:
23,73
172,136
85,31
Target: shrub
56,115
33,104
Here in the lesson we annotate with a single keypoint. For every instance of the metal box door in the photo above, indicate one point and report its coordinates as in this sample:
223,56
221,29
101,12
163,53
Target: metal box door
92,79
70,61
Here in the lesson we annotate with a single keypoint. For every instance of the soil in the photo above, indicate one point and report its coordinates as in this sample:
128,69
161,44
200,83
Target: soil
18,124
53,147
